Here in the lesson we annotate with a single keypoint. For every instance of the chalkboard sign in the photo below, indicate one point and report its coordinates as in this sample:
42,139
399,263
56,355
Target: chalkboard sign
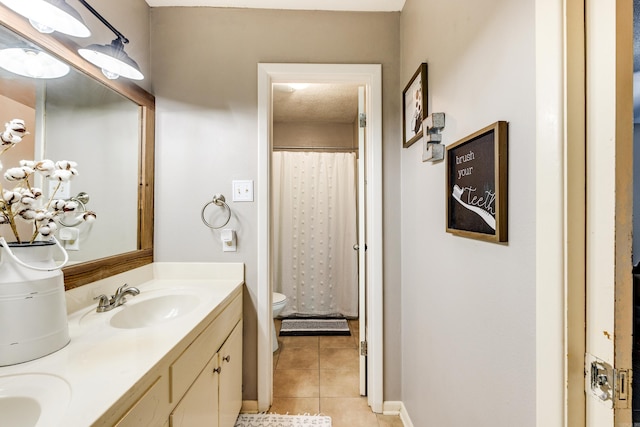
476,191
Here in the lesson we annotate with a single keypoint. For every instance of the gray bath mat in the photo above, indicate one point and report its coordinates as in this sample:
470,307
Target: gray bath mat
312,327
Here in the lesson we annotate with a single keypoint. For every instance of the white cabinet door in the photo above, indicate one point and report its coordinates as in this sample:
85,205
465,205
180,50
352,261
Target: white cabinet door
230,391
148,410
199,406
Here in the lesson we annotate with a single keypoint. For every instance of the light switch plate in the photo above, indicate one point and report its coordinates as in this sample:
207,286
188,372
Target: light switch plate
64,192
243,191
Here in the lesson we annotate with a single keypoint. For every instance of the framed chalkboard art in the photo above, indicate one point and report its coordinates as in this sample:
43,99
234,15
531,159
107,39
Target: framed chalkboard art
476,192
414,100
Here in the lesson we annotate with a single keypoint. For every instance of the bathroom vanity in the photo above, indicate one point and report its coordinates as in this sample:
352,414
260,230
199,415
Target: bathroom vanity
170,356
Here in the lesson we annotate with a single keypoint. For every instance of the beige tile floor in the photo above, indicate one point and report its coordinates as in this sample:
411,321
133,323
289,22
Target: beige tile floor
321,375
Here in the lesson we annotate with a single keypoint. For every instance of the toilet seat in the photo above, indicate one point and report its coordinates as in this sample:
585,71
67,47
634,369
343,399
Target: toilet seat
279,299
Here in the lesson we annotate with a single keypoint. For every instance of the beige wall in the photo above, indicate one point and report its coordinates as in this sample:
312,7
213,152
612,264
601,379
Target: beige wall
468,307
204,65
314,134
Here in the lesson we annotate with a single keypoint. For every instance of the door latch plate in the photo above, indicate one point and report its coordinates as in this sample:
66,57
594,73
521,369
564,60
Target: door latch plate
609,385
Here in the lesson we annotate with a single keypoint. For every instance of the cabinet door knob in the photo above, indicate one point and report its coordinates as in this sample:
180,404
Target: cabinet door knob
227,358
217,370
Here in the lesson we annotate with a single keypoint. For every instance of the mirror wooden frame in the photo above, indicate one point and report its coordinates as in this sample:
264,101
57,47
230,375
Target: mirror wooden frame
90,271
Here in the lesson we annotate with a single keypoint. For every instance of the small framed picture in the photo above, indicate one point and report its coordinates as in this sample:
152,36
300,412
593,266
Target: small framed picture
414,99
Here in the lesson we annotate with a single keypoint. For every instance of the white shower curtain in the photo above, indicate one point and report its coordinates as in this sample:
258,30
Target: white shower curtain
314,226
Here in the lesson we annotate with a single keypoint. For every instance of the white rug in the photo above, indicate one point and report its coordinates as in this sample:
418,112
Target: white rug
275,420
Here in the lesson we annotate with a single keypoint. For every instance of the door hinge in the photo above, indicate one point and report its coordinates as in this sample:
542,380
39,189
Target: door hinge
363,348
363,120
608,384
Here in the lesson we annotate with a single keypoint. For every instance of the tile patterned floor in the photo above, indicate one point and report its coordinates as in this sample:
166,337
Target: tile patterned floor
321,375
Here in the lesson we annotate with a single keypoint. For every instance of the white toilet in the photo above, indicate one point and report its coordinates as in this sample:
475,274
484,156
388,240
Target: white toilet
279,301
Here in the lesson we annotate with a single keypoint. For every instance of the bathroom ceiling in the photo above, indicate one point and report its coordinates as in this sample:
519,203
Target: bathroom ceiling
344,5
335,103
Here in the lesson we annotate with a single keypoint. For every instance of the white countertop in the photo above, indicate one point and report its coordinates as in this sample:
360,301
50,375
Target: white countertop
101,363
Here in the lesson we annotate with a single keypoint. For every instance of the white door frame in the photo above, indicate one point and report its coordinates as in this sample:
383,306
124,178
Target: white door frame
369,75
573,144
560,210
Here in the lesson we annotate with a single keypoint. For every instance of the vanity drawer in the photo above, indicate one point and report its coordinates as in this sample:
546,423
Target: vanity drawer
188,366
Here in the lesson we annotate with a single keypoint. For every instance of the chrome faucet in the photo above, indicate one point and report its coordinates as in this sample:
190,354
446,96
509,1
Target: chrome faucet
105,303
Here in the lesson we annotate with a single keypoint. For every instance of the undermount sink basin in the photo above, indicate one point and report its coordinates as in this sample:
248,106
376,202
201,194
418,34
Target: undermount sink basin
32,400
153,311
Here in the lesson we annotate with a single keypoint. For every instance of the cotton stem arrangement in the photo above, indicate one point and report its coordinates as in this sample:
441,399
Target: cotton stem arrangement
27,203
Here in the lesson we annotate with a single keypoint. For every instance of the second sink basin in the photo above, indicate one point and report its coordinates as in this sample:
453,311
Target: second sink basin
153,311
32,400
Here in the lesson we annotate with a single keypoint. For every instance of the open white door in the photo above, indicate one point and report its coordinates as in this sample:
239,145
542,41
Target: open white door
371,76
362,245
609,207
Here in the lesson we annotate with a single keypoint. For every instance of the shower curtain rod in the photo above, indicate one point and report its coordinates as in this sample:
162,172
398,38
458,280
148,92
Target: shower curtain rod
331,149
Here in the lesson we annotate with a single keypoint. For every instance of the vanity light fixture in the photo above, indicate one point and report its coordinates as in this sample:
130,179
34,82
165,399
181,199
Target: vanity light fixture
48,16
111,58
32,63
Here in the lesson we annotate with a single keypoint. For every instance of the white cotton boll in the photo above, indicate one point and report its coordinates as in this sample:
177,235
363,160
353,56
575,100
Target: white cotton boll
16,127
45,167
24,191
58,204
28,163
8,138
16,174
4,219
62,175
28,214
89,216
66,164
27,200
39,216
11,197
45,230
37,192
70,206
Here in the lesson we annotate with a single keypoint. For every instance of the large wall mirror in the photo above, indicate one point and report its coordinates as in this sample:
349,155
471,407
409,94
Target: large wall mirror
107,128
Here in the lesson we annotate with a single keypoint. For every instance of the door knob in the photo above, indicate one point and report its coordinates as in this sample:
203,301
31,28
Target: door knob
356,247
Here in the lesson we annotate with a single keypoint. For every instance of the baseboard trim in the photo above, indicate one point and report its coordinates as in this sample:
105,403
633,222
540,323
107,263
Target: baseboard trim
397,408
249,407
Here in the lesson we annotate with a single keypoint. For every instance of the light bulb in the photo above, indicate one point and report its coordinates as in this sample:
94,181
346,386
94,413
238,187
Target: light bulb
110,75
45,29
33,65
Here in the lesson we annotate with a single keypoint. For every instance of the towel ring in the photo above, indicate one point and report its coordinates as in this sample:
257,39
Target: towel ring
81,199
218,200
